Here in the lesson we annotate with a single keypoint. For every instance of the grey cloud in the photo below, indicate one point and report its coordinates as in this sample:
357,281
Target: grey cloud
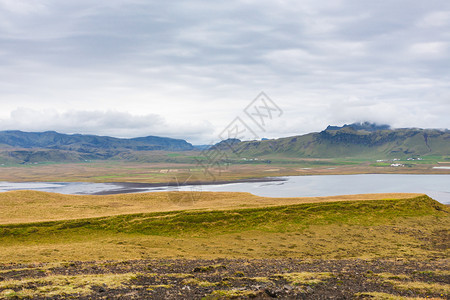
152,56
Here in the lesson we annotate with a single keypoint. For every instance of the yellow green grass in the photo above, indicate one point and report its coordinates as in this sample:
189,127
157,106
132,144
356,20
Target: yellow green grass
405,282
304,278
421,287
33,206
231,294
410,227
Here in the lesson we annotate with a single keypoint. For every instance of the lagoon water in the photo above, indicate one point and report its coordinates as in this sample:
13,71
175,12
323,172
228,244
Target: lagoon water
436,186
70,188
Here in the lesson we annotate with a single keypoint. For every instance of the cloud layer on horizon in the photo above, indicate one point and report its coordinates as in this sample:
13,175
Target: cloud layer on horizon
109,123
187,68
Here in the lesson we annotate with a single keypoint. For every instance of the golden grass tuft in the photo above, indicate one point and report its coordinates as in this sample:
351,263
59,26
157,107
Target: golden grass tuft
421,287
303,278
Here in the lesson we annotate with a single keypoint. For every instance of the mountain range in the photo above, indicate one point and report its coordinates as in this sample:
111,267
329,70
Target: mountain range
365,140
354,140
23,147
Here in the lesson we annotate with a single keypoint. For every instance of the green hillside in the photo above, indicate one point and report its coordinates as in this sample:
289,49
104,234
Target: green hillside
348,142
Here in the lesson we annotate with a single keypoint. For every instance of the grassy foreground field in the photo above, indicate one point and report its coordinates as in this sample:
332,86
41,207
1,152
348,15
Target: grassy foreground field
222,245
42,227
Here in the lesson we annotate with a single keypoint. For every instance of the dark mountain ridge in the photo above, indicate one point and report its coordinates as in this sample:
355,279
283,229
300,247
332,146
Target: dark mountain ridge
225,144
88,143
361,126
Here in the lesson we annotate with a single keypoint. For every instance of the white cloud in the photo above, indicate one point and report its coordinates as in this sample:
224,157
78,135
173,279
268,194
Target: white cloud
23,6
435,19
430,49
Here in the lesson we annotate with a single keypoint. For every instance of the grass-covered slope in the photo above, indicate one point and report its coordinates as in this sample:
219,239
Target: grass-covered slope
347,142
35,206
270,219
415,227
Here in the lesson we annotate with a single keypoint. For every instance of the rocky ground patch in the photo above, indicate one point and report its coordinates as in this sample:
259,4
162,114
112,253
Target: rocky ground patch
228,279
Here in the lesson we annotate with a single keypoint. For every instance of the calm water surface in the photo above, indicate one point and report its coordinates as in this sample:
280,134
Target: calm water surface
436,186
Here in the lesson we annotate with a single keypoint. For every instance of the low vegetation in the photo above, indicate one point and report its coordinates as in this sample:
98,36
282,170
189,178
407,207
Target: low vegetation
222,246
412,227
34,206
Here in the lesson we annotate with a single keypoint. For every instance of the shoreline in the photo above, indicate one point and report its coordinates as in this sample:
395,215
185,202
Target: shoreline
135,187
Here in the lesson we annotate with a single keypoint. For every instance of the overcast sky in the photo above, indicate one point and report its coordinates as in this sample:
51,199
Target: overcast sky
187,69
